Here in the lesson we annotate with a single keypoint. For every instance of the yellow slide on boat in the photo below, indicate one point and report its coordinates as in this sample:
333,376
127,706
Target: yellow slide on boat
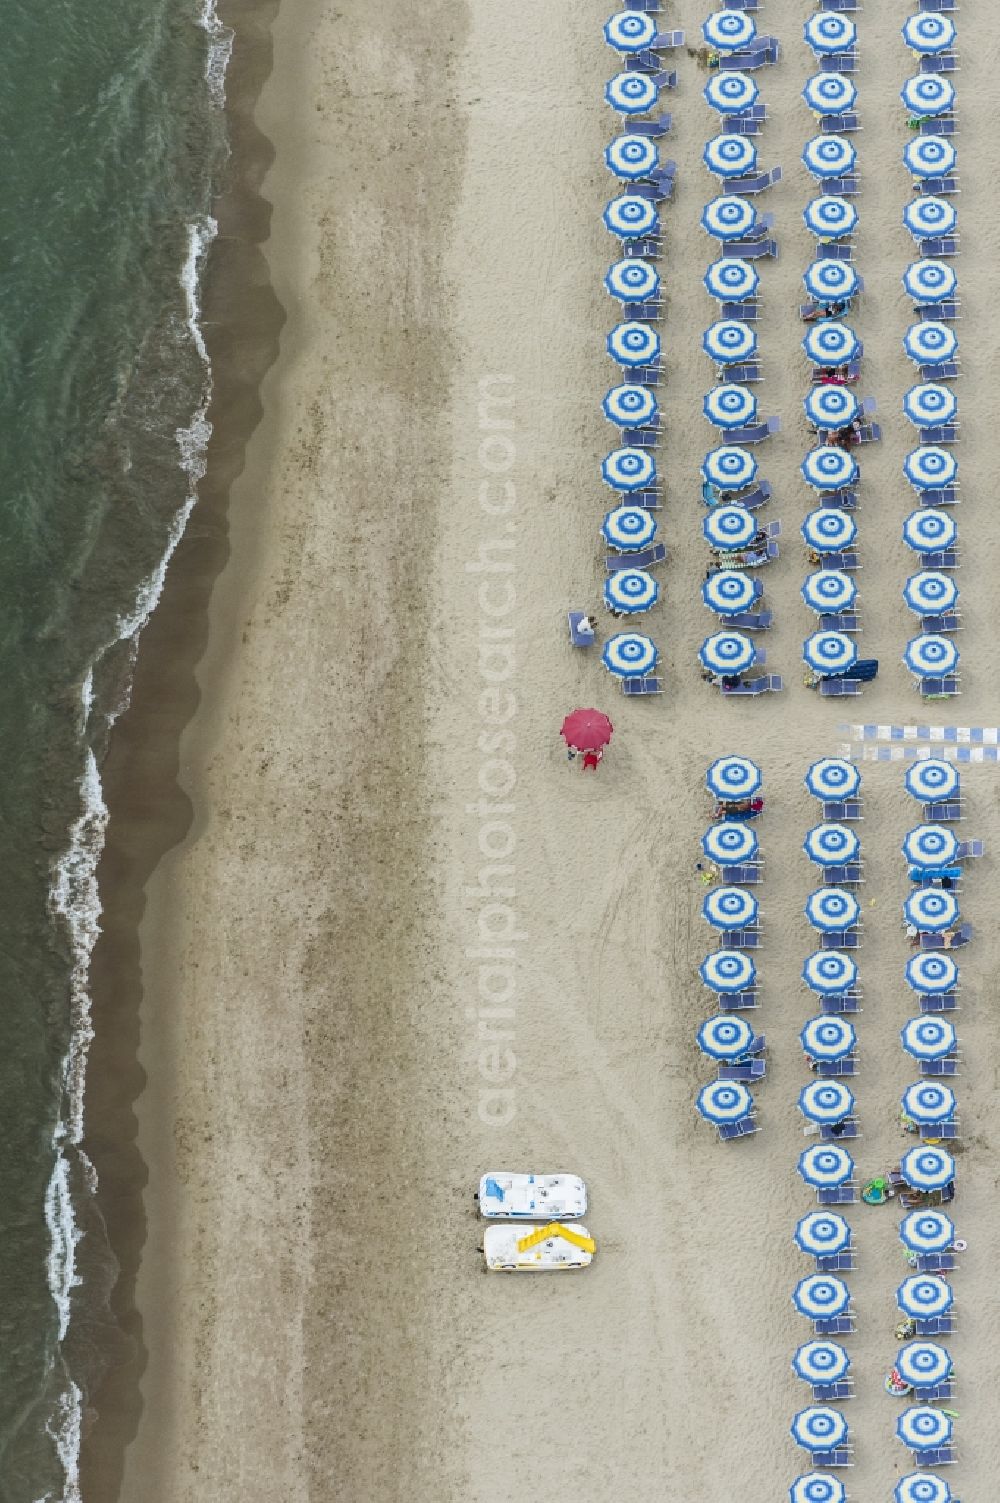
556,1229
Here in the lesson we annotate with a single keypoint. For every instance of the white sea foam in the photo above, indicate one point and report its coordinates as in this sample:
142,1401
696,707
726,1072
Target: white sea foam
220,50
66,1427
64,1234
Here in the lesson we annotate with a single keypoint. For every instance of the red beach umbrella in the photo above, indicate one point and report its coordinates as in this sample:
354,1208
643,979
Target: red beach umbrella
587,730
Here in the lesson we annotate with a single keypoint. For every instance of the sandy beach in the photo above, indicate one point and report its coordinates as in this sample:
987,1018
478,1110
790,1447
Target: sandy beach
369,933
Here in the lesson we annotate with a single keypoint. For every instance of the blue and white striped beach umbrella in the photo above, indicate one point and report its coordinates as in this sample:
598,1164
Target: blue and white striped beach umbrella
822,1234
927,34
632,93
630,655
930,281
727,1036
630,591
828,156
727,652
631,406
828,468
827,33
630,31
929,467
826,1101
829,652
729,30
730,156
930,342
628,469
831,845
817,1487
832,910
628,528
731,279
932,778
830,343
931,974
828,529
929,531
928,1037
927,1231
730,843
632,280
825,1165
831,407
724,1101
932,910
830,217
832,778
922,1487
730,93
819,1428
927,1168
929,156
632,157
731,778
930,402
924,1429
728,217
821,1296
629,215
926,216
928,94
821,1362
929,592
728,971
930,656
830,281
828,1038
923,1364
730,406
729,467
729,340
930,846
830,93
829,590
729,908
924,1295
930,1102
633,344
728,527
728,592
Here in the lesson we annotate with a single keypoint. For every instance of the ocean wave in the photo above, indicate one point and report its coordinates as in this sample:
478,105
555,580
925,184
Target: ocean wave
66,1429
220,50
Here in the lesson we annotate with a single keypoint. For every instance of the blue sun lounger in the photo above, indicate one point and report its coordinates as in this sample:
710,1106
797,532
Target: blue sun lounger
577,636
943,1002
751,1070
741,939
651,128
634,688
748,621
962,936
945,433
744,876
938,246
849,1002
834,1325
838,1195
847,621
642,559
739,1001
944,811
940,688
850,1130
841,1457
742,1129
940,624
838,688
848,875
846,939
938,1067
826,1393
842,809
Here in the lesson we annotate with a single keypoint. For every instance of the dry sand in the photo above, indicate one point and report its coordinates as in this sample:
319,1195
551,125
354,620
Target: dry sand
315,1316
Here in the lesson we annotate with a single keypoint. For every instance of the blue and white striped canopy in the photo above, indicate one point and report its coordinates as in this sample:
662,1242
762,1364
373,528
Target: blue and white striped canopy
927,216
820,1296
829,652
829,156
929,156
928,1037
728,527
628,469
729,467
727,652
730,406
829,973
930,281
724,1101
630,31
731,279
731,778
923,1429
826,1101
831,407
817,1487
730,843
930,846
929,531
929,592
930,909
830,217
831,845
929,1101
930,466
828,529
629,591
632,157
728,217
728,30
829,93
931,974
930,402
922,1487
728,592
830,343
830,281
631,406
630,655
931,778
930,656
729,908
728,971
827,33
729,340
927,1231
832,910
924,1295
927,1168
928,34
628,528
727,1036
821,1234
819,1428
632,280
631,93
825,1165
629,216
923,1364
633,344
828,1037
829,590
821,1362
928,94
730,93
832,777
930,342
730,156
828,468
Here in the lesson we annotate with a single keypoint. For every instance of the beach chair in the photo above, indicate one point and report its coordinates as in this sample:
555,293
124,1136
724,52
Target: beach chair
969,850
844,187
940,688
940,1393
645,558
754,433
826,1393
744,876
940,1132
749,311
837,1069
937,1067
944,433
842,809
657,188
944,1002
752,250
944,62
939,246
845,124
743,62
936,1325
846,498
961,936
869,433
743,125
936,1262
937,7
849,1128
944,370
649,500
744,375
749,621
840,1262
839,688
646,375
947,312
641,438
648,249
941,125
580,636
635,688
838,1195
769,683
944,812
935,878
834,1325
750,1070
843,1456
851,371
946,559
837,1006
740,939
666,41
839,62
848,621
755,498
739,4
849,875
846,939
648,313
651,128
739,1001
742,1129
938,187
757,558
840,5
757,182
945,495
938,1456
833,250
650,6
